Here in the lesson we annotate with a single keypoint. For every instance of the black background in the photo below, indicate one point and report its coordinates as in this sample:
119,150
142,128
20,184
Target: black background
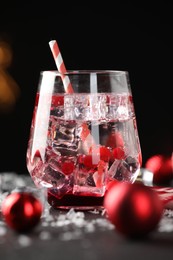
132,37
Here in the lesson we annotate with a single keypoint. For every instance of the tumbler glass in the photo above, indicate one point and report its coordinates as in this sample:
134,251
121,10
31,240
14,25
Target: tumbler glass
83,136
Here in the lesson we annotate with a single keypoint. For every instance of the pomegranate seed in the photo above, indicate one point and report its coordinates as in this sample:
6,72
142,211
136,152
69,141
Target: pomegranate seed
118,153
67,167
105,154
115,140
89,161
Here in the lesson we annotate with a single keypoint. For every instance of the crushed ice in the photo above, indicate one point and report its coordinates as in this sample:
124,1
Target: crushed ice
74,224
3,231
45,235
24,240
166,223
65,225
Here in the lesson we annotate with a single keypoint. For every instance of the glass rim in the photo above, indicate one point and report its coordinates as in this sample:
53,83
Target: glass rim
86,72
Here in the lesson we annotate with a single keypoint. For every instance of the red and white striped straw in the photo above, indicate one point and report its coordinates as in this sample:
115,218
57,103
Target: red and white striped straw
60,66
85,135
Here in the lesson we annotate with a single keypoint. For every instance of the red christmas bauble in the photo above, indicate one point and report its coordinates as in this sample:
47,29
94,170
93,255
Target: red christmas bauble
162,168
110,184
21,211
134,209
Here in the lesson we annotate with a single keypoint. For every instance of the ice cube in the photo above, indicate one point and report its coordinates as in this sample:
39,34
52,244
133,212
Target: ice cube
64,138
64,188
90,181
113,168
53,177
127,170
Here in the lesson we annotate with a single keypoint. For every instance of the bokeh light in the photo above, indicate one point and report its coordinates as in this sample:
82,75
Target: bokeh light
9,89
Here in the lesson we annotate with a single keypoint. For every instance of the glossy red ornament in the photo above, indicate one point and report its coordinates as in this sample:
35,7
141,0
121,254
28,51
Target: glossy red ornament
162,168
21,211
110,184
134,209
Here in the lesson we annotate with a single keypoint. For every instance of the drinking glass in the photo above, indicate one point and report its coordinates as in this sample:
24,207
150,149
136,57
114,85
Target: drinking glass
83,136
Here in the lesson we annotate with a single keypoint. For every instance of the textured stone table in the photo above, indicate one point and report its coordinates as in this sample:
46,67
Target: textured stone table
81,235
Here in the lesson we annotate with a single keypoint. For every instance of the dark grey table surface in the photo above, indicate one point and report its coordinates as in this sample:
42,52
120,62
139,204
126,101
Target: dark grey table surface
81,235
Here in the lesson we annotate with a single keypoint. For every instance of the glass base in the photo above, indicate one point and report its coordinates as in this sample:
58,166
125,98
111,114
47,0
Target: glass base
76,202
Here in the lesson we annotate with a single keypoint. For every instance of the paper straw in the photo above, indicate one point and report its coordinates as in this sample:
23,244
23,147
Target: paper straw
85,135
60,66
